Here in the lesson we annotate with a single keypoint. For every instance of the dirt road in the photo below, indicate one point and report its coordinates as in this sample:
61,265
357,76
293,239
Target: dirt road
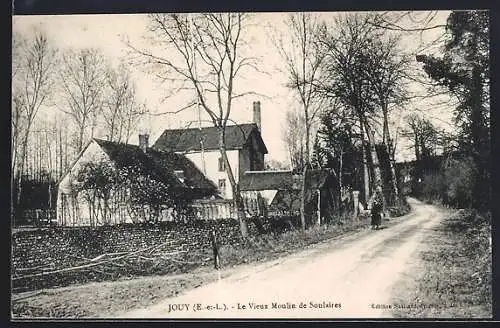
349,278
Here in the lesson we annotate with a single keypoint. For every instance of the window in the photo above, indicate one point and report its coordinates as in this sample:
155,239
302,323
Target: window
222,185
222,166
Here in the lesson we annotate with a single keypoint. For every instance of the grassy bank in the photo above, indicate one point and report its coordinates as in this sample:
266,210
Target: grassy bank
452,276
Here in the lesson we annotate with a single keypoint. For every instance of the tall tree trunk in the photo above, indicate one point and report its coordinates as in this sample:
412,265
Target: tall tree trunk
65,151
375,161
417,147
388,145
341,167
62,168
394,179
377,177
305,162
22,160
303,198
237,201
366,176
479,135
79,144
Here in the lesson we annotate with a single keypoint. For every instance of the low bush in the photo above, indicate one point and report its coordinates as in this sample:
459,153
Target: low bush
453,185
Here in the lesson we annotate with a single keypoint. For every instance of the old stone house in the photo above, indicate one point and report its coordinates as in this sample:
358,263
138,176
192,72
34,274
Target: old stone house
184,180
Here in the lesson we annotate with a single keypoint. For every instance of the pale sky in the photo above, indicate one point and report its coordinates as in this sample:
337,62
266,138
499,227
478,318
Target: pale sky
108,32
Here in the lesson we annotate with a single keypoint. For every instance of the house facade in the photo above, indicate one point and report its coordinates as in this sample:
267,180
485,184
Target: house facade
245,150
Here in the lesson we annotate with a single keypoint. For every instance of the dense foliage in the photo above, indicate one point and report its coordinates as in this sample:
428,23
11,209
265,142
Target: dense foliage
103,185
464,71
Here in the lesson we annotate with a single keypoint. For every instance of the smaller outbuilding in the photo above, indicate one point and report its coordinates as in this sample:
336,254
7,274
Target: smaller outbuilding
277,193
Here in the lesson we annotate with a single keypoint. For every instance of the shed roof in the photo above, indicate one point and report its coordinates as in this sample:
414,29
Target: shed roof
281,180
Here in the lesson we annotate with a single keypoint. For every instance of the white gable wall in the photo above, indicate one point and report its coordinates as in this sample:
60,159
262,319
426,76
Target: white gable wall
93,153
212,167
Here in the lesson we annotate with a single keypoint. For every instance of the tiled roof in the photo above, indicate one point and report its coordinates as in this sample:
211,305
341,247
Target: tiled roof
281,180
185,140
158,164
266,180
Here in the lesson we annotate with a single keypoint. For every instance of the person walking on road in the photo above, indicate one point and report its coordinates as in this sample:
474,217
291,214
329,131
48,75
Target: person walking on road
376,209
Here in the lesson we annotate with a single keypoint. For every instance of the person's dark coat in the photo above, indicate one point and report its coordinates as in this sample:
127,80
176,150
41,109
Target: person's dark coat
376,212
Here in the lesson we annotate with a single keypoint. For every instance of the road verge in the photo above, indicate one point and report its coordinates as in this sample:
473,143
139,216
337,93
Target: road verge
451,277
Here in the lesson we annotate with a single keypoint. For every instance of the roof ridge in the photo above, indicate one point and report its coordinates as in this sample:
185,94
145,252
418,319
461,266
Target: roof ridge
269,171
114,142
188,139
211,127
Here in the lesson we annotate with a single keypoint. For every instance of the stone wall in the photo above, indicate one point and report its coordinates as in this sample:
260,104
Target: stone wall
52,249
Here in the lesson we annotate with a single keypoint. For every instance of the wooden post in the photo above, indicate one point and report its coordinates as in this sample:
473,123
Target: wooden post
319,206
355,196
215,249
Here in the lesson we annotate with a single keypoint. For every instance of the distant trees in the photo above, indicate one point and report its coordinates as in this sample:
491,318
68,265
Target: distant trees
83,77
272,164
292,136
121,110
423,135
32,83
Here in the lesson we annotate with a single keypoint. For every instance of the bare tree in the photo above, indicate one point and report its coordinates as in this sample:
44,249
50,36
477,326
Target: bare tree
18,45
302,58
121,111
293,132
407,21
344,77
16,121
423,135
386,75
32,83
204,56
83,79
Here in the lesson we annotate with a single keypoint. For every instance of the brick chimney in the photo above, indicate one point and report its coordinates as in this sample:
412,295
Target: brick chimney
256,114
144,142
